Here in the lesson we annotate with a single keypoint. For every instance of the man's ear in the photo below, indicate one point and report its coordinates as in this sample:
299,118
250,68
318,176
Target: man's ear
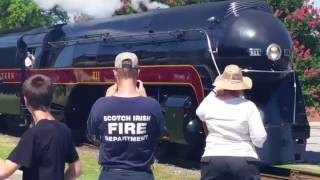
138,72
25,101
115,74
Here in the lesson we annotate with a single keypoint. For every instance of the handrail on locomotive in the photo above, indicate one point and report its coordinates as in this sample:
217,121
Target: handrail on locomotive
106,37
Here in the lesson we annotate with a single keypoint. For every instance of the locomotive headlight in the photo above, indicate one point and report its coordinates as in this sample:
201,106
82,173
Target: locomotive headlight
274,52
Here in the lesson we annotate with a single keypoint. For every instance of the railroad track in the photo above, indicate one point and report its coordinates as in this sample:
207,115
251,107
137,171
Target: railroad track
276,173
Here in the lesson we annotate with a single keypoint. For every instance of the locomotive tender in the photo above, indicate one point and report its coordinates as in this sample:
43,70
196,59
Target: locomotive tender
181,51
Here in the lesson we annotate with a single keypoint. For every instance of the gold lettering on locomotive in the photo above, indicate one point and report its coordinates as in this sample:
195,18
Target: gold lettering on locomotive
96,75
7,75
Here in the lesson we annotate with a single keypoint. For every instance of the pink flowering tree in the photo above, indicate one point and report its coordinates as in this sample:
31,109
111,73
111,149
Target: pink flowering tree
303,22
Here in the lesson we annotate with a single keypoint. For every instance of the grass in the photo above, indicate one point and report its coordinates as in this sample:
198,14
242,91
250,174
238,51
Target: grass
91,169
5,149
161,172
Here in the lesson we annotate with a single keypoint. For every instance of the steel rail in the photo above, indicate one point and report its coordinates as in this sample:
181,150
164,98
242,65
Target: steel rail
273,177
276,173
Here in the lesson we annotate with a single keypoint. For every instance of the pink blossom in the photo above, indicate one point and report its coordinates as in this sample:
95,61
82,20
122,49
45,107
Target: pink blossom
286,10
306,54
308,73
313,23
298,15
314,94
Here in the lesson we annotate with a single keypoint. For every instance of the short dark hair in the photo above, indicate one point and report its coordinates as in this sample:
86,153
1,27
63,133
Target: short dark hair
38,90
127,71
127,64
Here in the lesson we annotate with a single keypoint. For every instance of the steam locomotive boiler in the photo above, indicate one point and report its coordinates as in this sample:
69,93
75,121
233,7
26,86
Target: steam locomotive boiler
181,51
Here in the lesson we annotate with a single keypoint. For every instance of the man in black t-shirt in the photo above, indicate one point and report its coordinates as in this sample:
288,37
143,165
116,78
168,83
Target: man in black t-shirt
127,123
43,149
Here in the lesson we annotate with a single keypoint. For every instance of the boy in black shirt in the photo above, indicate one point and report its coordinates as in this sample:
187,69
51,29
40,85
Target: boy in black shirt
127,123
43,149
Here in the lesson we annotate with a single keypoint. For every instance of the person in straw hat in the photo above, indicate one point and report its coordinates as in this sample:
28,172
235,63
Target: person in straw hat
234,128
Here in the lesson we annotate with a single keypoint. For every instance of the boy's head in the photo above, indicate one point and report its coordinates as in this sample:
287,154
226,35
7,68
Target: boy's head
38,91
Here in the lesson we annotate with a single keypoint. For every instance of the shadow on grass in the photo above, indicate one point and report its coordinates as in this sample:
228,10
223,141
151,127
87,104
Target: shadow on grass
178,155
13,131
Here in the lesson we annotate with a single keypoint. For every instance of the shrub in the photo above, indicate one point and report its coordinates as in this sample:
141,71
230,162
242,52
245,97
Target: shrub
303,22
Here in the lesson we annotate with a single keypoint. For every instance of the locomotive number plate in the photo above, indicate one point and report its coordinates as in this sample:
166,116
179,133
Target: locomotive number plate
96,76
254,52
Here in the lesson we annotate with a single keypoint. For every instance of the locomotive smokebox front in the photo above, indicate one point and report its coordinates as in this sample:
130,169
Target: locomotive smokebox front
256,40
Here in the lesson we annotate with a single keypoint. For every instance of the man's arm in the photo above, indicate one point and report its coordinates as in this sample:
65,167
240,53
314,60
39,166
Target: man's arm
28,62
7,168
111,90
140,89
205,106
73,171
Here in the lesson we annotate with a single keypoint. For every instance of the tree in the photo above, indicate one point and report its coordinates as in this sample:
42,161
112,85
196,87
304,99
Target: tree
303,22
24,14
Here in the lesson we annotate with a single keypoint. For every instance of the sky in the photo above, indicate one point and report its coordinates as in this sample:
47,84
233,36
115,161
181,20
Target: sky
317,3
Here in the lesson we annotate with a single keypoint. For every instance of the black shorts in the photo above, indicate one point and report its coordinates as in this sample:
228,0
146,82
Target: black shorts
229,168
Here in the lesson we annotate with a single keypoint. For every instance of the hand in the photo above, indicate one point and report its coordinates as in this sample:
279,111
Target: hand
112,90
218,91
140,89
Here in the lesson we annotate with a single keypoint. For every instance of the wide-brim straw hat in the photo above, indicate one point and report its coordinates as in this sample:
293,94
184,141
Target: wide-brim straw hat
232,79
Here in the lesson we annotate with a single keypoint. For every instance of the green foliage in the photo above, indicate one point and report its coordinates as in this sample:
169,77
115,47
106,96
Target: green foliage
311,86
291,5
303,23
23,14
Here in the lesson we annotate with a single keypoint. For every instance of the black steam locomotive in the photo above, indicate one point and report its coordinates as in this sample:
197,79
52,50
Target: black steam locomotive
181,51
